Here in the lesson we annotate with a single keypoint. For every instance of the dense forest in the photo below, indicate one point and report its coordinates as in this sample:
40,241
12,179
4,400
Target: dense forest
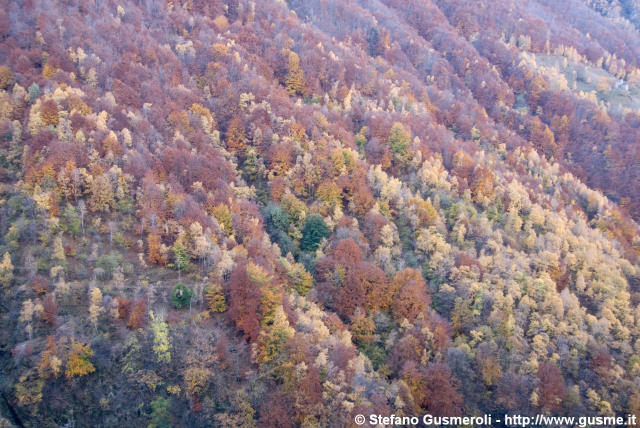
276,213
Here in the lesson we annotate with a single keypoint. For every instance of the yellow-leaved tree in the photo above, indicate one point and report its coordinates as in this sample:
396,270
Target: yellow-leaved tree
78,363
161,342
215,298
295,76
6,270
95,307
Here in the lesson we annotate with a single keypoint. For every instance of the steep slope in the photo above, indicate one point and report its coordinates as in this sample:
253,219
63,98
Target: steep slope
286,214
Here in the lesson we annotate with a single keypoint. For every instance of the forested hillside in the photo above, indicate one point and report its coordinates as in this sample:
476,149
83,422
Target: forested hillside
288,213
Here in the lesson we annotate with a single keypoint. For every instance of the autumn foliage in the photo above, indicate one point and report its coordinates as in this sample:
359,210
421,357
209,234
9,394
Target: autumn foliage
241,213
